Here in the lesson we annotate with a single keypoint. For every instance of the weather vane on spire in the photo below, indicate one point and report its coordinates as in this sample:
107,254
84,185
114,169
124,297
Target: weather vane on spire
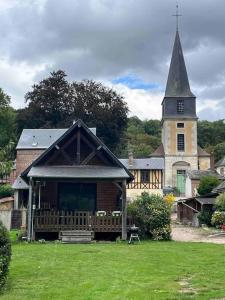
177,15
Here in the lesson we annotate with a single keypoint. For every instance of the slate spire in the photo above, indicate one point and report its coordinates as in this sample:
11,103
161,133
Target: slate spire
177,82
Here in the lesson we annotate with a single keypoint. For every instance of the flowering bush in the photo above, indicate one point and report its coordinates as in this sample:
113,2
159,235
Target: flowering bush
220,202
170,198
218,218
151,214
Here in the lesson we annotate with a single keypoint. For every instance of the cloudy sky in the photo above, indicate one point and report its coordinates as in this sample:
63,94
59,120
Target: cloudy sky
126,44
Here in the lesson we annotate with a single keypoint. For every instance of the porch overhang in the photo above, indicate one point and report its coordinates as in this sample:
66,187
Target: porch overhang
78,172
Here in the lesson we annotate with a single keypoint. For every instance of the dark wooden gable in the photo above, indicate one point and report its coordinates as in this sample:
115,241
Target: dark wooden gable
77,148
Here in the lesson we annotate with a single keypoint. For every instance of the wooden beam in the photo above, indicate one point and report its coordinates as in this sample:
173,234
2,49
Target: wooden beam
118,186
195,210
78,146
103,158
91,155
124,210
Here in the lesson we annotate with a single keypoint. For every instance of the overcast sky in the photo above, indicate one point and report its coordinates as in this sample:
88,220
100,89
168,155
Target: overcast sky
126,44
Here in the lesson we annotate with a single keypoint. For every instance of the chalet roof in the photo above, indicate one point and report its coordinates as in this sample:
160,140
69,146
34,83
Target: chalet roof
19,184
78,172
221,162
41,138
60,140
159,152
153,163
202,152
198,174
177,82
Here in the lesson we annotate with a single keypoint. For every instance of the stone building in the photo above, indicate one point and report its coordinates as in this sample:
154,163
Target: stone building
179,126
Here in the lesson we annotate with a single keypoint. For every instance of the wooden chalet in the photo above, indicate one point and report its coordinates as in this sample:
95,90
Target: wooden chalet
77,184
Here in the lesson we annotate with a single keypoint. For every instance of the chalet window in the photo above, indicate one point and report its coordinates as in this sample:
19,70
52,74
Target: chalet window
180,106
180,125
145,176
180,142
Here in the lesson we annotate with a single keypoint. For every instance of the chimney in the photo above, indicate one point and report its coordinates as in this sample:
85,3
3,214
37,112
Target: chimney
130,158
212,162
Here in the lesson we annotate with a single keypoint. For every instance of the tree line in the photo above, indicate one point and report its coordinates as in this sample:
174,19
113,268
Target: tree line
55,102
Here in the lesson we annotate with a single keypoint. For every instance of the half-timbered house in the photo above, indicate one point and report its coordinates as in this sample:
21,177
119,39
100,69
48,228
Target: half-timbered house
75,184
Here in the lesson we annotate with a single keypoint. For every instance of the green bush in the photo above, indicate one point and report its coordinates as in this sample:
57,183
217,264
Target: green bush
218,218
220,202
152,215
5,254
207,184
6,190
205,216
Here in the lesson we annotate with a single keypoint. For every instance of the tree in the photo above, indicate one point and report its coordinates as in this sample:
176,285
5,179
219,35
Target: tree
138,139
219,151
55,103
7,120
102,107
207,184
49,104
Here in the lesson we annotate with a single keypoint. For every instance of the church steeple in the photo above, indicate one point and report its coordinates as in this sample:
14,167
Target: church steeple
177,82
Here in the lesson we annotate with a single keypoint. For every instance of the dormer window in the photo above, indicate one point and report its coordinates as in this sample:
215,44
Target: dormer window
180,106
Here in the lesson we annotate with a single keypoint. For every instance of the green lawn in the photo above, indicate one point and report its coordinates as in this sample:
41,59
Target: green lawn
152,270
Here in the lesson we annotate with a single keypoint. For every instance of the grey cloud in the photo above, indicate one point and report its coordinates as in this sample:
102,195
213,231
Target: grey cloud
104,39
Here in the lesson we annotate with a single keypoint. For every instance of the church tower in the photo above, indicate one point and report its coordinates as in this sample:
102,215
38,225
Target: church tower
179,122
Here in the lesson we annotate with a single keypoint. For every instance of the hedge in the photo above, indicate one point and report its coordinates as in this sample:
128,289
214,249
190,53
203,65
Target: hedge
5,254
6,190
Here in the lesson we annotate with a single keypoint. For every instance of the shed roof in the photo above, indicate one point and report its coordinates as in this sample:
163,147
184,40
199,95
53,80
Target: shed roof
41,138
153,163
221,162
77,172
198,174
19,184
210,199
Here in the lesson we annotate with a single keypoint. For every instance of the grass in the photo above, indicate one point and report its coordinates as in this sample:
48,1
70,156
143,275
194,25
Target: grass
151,270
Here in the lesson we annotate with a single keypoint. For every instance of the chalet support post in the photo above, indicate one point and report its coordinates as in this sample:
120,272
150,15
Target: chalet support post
78,146
16,199
29,221
39,195
124,211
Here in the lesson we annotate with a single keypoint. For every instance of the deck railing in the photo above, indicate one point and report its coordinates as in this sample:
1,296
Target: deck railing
53,220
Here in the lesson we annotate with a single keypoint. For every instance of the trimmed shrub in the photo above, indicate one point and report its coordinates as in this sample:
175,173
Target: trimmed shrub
207,184
205,217
6,190
5,254
218,218
220,202
151,214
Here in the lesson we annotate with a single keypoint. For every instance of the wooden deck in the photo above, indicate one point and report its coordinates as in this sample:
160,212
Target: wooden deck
55,221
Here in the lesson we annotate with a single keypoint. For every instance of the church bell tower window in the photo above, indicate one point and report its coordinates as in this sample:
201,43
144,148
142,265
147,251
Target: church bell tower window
180,106
180,142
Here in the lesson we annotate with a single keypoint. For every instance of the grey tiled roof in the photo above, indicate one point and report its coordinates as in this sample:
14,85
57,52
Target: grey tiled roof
19,184
221,162
81,172
41,138
220,188
152,163
197,174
